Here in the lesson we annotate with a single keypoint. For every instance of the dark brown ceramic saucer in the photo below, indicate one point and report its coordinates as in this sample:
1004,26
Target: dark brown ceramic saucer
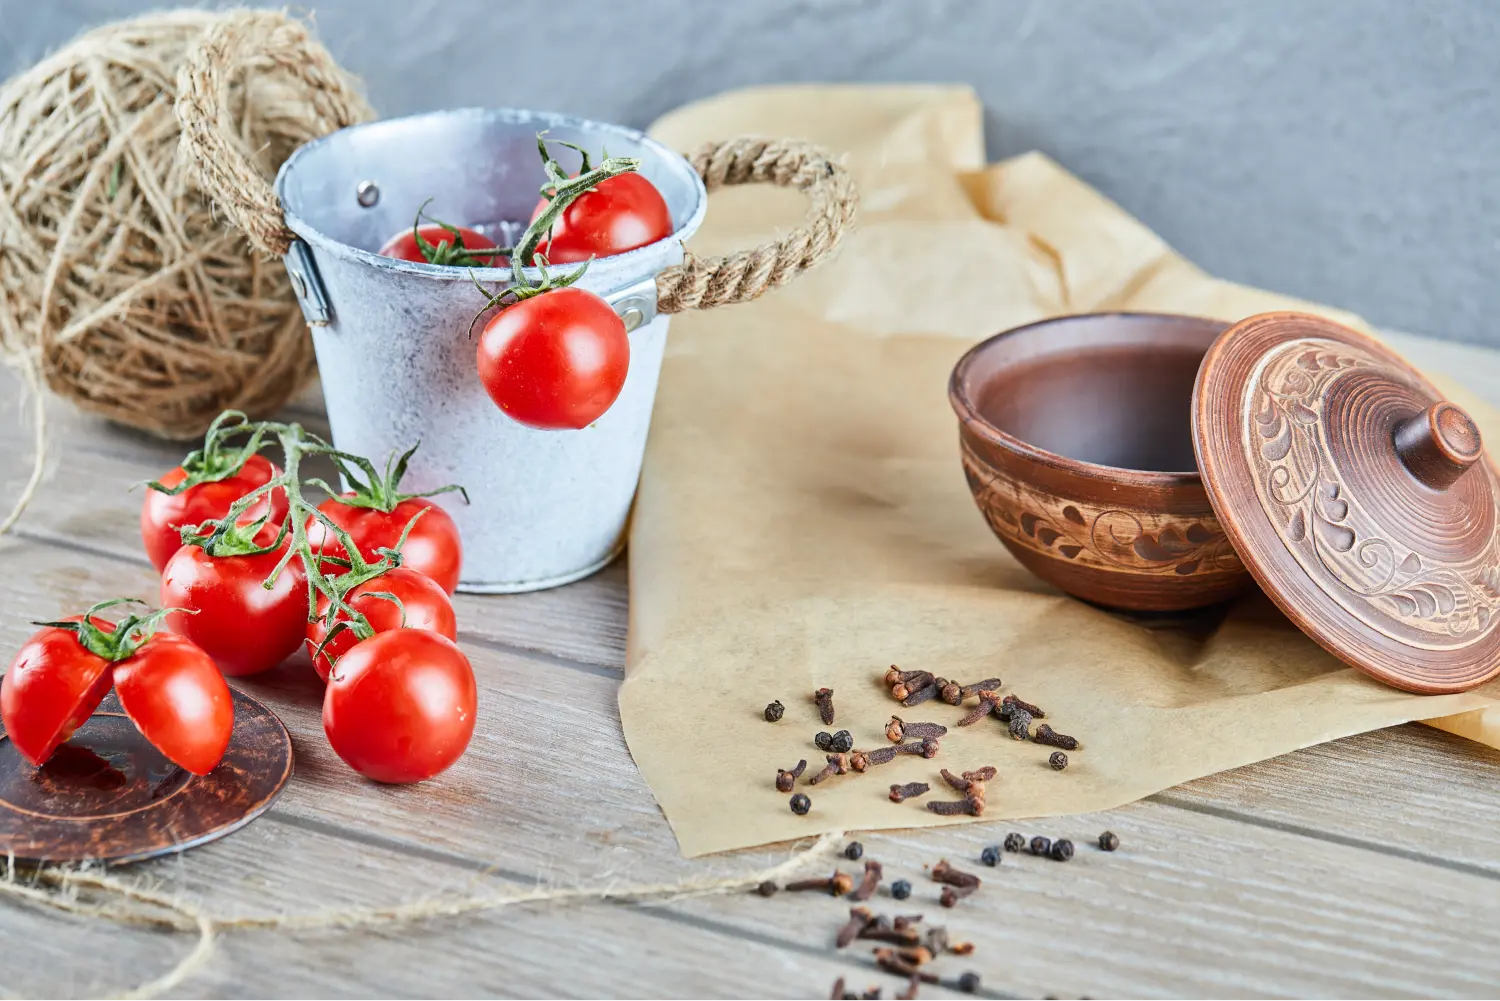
108,795
1357,496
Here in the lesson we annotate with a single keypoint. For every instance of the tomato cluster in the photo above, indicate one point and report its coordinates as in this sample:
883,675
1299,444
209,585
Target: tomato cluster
553,357
362,581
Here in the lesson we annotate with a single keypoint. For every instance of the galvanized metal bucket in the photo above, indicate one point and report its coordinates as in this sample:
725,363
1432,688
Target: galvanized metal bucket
545,507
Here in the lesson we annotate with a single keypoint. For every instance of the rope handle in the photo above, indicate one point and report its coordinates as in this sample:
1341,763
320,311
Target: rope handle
252,41
703,283
212,144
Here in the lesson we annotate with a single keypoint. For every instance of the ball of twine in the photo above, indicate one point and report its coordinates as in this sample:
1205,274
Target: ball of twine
121,286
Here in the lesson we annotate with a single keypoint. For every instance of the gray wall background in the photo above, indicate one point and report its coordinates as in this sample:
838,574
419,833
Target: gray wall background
1342,150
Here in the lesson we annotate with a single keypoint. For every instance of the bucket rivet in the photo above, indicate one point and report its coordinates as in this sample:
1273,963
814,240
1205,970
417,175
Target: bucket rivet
632,318
367,194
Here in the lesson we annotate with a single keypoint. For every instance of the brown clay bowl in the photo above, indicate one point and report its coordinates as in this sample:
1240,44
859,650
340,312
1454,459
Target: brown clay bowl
1077,444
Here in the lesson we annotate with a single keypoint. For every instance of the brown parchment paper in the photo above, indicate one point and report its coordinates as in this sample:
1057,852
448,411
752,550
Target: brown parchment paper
803,520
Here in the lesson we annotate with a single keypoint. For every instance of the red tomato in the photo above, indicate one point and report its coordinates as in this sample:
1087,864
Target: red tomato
403,246
245,627
177,698
163,514
52,687
400,705
432,548
425,604
557,360
621,213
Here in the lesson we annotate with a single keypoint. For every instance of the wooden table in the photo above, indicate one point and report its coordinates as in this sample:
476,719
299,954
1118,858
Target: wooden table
1369,866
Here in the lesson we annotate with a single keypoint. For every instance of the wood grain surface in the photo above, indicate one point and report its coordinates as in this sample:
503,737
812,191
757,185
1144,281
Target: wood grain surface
1369,866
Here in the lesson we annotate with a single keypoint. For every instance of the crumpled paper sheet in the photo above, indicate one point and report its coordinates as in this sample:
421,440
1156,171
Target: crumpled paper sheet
803,520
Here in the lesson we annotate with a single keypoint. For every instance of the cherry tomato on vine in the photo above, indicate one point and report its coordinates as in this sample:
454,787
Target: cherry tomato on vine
400,705
403,246
162,515
52,687
432,547
618,214
556,360
243,625
177,698
423,605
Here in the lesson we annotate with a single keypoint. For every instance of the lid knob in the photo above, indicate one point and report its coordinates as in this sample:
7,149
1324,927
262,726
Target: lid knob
1438,444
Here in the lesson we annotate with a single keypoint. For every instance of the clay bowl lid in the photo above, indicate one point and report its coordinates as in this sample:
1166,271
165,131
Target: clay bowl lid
1358,497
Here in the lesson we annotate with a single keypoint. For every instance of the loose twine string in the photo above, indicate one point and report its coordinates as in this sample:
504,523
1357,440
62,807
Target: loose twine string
139,904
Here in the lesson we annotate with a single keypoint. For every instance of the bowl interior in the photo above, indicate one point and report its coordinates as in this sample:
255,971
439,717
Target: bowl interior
1110,389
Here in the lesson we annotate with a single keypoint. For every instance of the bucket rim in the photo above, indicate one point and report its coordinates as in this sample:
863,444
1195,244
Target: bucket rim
545,119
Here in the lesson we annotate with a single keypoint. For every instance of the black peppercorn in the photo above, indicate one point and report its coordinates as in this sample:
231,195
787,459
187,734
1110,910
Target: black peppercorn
1062,849
801,804
990,856
969,982
841,742
1039,844
901,889
853,850
767,889
774,711
824,740
1014,842
1108,841
1058,760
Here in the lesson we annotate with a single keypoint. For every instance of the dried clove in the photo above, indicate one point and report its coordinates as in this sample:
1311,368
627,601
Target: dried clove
1010,704
774,711
890,962
1109,841
1020,724
801,804
951,693
897,676
882,931
953,894
981,774
860,918
961,784
1046,735
916,955
987,685
988,701
853,850
837,994
786,779
898,730
871,994
842,742
909,790
871,882
943,872
824,698
1062,849
836,885
823,741
838,764
1057,759
881,755
1041,845
917,697
962,948
907,920
971,805
910,993
767,889
927,747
